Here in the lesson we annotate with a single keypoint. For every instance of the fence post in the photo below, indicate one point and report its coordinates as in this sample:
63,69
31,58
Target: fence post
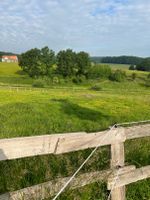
117,160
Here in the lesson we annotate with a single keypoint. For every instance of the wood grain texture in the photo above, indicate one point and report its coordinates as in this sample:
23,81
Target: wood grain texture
117,160
130,176
31,146
55,144
137,131
48,189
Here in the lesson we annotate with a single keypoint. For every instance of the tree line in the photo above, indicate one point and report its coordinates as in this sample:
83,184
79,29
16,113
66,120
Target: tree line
133,60
2,53
136,63
144,65
65,64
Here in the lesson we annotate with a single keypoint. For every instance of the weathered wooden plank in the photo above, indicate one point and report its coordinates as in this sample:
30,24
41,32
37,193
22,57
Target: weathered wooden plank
55,144
117,155
90,140
129,177
48,189
31,146
137,131
62,143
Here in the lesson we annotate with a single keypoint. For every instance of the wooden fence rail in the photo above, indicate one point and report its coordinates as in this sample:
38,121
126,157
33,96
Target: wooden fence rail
63,143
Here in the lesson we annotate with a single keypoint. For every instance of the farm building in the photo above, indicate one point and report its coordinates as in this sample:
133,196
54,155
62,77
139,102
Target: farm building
9,58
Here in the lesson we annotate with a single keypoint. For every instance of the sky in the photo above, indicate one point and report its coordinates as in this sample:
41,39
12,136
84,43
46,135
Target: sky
99,27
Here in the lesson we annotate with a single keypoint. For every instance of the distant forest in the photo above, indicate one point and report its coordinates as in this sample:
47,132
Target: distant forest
6,53
132,60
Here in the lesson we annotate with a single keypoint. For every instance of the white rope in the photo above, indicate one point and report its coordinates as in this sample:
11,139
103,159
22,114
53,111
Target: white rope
72,177
116,179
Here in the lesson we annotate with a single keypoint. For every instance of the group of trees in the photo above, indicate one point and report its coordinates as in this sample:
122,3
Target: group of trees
136,63
70,63
67,63
44,62
144,65
37,62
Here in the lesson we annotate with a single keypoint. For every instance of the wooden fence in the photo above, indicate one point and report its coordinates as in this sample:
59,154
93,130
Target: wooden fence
116,177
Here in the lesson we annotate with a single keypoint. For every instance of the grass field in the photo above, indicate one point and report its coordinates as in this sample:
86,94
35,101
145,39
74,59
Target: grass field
12,74
117,66
26,112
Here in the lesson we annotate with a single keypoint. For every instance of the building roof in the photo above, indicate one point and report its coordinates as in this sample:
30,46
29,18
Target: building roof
10,57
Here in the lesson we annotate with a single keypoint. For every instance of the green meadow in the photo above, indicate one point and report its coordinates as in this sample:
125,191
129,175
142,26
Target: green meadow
117,66
28,111
11,74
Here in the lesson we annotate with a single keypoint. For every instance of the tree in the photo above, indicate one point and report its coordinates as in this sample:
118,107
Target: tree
47,58
30,62
133,75
37,62
66,63
144,65
83,63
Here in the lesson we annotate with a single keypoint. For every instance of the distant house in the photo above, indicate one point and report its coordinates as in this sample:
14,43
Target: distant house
9,59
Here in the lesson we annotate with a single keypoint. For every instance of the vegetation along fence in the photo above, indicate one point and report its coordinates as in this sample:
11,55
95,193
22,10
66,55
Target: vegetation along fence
117,177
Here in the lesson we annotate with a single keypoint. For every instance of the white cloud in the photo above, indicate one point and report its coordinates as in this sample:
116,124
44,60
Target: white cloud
101,27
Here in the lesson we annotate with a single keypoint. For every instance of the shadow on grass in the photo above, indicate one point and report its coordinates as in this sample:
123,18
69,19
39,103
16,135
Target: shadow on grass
2,155
20,72
82,113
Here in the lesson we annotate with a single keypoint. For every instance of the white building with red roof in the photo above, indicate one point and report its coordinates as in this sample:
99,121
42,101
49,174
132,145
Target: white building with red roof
9,59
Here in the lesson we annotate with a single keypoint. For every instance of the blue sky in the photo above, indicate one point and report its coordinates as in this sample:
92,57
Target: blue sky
100,27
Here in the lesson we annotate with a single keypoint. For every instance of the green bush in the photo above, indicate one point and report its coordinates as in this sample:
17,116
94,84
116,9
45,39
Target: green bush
55,80
75,80
118,76
133,75
99,71
38,83
78,79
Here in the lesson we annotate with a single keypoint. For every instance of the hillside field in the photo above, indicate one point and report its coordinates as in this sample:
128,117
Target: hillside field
11,74
27,111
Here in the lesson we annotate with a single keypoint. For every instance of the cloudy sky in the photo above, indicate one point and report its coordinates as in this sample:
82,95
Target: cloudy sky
100,27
